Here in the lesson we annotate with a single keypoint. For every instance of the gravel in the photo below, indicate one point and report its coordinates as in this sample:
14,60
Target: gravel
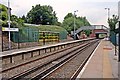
67,70
26,67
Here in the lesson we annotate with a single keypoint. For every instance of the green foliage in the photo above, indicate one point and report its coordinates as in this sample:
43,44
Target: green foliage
112,22
4,16
24,18
58,23
1,22
68,15
3,12
16,19
3,8
4,23
87,32
84,21
15,22
42,15
50,28
68,22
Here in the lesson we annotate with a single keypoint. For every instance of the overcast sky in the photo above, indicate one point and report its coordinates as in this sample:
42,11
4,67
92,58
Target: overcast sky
92,9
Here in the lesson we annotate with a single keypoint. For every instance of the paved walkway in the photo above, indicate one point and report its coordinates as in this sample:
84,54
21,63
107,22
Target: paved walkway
102,64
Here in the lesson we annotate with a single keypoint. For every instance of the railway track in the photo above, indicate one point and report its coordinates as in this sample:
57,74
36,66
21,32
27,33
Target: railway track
72,67
48,69
42,61
66,68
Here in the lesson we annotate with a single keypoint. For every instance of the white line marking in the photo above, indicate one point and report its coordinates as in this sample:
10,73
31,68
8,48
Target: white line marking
80,74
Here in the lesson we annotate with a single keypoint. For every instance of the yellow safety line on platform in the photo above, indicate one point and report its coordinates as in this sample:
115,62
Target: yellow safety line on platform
107,70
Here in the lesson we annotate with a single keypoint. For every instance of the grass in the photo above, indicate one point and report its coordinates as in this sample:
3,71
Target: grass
52,28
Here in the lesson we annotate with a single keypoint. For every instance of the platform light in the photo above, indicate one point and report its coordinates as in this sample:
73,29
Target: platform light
74,24
108,9
9,22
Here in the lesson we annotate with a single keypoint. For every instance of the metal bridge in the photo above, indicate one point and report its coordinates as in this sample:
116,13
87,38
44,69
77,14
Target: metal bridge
92,27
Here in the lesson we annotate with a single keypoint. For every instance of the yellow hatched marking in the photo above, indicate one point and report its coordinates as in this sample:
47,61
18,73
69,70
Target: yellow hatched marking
107,70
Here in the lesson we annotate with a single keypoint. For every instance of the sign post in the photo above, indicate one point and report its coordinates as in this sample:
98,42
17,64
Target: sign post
9,30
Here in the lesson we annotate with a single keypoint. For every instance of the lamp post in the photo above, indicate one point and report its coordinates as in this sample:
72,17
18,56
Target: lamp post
74,23
9,22
108,15
108,9
114,32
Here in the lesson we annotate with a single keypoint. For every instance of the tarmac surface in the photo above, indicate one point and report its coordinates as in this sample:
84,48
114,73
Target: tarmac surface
103,64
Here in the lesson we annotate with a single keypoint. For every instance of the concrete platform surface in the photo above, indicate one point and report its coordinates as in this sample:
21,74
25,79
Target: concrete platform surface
102,64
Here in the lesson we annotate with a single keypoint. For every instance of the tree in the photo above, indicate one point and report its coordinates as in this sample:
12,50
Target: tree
112,22
3,12
17,22
84,20
42,15
24,18
68,15
14,18
68,22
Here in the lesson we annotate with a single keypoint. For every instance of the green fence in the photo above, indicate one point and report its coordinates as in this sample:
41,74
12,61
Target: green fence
62,35
32,36
29,34
114,38
25,34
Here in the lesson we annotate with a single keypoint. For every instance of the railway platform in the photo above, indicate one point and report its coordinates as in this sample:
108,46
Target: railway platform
102,64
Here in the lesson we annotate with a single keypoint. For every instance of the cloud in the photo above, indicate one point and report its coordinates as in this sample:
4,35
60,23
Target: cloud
92,9
96,13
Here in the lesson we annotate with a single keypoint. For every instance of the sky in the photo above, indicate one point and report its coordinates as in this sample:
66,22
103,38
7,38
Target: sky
93,10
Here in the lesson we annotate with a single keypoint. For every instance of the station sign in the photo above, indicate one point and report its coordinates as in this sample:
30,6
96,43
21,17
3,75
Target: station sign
10,29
